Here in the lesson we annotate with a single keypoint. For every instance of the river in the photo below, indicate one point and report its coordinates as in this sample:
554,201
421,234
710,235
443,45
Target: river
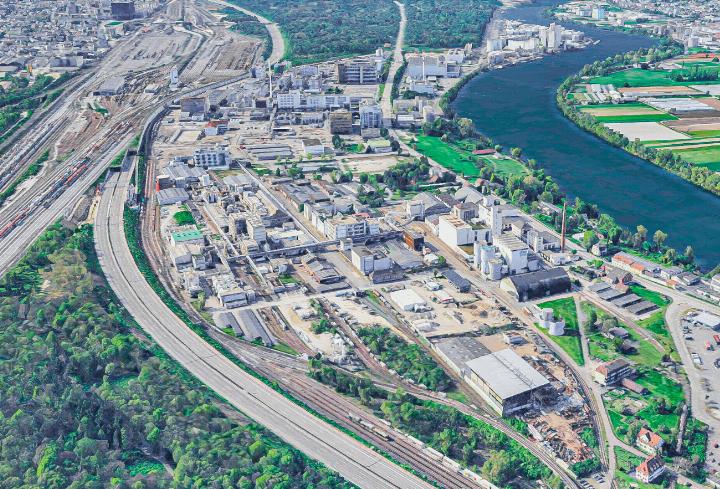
516,107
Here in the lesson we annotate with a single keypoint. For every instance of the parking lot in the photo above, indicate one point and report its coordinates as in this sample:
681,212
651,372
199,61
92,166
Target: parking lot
701,342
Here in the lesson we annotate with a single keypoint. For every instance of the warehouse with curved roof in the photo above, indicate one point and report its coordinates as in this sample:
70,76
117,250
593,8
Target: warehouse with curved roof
536,285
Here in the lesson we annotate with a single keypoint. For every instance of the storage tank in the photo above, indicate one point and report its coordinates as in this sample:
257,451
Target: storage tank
495,269
487,253
557,328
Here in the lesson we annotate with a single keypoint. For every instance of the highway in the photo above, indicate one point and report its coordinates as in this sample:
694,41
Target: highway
353,460
278,42
397,61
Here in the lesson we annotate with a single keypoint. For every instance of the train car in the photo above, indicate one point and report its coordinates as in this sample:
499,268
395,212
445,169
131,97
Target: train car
717,339
709,346
11,225
383,434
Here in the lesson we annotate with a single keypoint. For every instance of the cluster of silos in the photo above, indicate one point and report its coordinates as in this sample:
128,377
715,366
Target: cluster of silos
555,327
484,259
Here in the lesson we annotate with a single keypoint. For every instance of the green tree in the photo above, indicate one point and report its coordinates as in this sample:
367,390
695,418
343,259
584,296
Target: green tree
498,468
659,238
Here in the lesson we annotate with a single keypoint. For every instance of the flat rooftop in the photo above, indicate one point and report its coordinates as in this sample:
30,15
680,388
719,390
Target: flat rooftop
507,374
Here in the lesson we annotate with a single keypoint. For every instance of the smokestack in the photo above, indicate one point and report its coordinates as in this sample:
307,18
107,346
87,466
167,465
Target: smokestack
562,235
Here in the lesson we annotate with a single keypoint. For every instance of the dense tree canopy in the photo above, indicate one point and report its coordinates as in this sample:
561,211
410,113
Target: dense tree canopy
85,404
326,29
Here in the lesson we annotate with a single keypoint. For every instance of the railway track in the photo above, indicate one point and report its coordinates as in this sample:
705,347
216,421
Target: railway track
372,430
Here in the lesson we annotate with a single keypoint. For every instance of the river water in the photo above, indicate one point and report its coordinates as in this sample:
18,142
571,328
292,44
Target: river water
515,106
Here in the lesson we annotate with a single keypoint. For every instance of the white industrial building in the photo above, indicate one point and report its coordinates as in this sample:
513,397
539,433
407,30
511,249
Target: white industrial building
514,252
313,147
371,116
368,261
350,227
505,380
456,232
422,65
408,300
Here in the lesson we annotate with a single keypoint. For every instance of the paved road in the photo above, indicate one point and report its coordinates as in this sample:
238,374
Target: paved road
278,42
354,461
386,103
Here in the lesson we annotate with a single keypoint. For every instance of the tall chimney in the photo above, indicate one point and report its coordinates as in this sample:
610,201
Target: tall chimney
562,235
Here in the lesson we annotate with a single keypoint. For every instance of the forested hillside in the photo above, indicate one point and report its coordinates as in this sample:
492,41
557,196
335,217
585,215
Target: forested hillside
447,23
326,29
86,401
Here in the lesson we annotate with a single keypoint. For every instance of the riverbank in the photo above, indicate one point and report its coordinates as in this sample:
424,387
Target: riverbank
646,130
524,114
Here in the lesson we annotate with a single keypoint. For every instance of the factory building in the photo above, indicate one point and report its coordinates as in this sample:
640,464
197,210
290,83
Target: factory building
505,380
122,10
456,232
535,285
368,261
214,158
408,300
341,122
514,252
371,116
350,227
357,73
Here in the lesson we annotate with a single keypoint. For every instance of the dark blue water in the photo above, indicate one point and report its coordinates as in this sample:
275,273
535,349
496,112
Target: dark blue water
516,106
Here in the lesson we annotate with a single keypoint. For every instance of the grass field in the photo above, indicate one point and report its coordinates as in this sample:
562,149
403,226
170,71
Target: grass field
459,158
570,341
505,167
705,134
446,155
663,421
636,77
649,295
681,143
655,323
701,156
657,117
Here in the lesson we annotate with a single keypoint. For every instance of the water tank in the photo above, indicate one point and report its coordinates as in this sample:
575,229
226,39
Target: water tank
557,328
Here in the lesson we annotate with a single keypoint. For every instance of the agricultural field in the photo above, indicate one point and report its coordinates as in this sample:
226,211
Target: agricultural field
637,77
570,341
646,131
673,107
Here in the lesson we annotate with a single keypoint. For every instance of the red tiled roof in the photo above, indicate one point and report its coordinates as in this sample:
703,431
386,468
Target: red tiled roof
649,438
